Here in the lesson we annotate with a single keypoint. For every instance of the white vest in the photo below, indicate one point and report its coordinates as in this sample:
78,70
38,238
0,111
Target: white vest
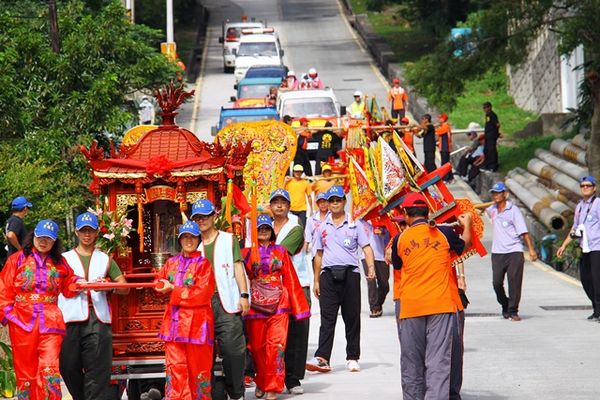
224,269
76,309
299,259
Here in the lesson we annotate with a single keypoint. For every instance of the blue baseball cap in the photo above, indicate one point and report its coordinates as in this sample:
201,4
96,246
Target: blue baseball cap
589,179
20,203
203,207
498,187
46,228
264,219
280,193
321,196
336,191
189,227
86,219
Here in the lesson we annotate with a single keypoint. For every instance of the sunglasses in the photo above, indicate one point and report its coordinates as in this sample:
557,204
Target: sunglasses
202,217
586,186
335,200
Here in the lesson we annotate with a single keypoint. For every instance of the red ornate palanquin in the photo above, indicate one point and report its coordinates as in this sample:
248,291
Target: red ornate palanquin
153,178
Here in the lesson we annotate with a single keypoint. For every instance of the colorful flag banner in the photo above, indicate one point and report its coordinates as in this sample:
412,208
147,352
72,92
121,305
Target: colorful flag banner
363,198
391,174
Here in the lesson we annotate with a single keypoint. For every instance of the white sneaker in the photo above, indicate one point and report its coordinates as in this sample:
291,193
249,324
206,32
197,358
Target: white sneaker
352,366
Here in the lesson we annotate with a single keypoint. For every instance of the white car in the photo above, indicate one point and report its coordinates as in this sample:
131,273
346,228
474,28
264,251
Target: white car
231,33
257,49
311,104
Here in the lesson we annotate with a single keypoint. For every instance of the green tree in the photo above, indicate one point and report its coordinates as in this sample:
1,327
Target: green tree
500,36
51,103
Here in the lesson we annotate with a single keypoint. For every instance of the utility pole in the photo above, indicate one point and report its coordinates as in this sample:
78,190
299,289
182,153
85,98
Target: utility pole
53,22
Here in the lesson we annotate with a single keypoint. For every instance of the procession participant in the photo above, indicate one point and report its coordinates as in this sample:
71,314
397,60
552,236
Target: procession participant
407,134
358,107
230,297
429,299
291,83
329,144
274,279
428,143
444,134
507,250
492,133
316,82
86,353
300,193
301,156
379,287
337,280
30,283
315,220
15,228
586,225
187,326
322,185
398,99
290,235
271,98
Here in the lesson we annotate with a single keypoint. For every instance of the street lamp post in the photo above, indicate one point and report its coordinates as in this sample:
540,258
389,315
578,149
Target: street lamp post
169,48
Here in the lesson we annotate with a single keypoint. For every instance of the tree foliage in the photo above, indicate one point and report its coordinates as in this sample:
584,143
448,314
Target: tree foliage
50,103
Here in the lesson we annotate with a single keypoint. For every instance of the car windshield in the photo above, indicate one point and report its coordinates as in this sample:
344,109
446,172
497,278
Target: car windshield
315,107
264,73
246,118
254,91
257,49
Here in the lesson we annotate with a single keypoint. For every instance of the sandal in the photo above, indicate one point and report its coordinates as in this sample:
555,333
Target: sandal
259,394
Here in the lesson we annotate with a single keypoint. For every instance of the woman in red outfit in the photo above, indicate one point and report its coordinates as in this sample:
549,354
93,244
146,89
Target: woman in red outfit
30,284
187,326
267,329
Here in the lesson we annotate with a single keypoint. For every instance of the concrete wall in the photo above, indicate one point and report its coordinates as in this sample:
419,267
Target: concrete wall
536,84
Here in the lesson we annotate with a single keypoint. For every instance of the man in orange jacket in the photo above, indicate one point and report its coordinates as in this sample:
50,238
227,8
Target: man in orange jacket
398,99
444,136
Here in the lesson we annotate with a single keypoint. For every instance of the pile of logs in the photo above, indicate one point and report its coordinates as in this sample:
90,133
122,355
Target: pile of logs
550,186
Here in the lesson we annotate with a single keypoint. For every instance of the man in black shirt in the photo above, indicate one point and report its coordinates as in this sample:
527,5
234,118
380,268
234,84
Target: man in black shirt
329,144
15,229
428,142
492,133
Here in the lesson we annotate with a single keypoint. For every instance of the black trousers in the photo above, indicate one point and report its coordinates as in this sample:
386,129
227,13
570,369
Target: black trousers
229,332
510,265
296,349
336,294
398,114
301,158
589,273
379,287
445,156
430,161
464,170
301,217
86,359
322,156
491,153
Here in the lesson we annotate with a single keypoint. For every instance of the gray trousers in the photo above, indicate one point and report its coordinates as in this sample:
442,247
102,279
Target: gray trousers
426,352
229,332
458,349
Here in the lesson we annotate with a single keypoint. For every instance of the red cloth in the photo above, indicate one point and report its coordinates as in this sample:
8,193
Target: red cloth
239,200
29,288
188,327
276,268
35,357
266,341
188,369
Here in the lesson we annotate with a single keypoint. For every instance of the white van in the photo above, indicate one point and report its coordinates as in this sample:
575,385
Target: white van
257,47
311,104
230,38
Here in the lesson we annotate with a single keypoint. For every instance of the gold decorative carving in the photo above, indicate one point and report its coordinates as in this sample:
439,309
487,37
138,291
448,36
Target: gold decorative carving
192,197
149,300
151,347
160,192
125,200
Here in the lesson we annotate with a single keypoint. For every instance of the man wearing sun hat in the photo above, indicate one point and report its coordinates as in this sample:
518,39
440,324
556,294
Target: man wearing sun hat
586,229
15,228
507,250
231,297
429,300
337,280
300,193
87,373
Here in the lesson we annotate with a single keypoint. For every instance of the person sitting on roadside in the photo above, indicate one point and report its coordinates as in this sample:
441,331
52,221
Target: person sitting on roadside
470,162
